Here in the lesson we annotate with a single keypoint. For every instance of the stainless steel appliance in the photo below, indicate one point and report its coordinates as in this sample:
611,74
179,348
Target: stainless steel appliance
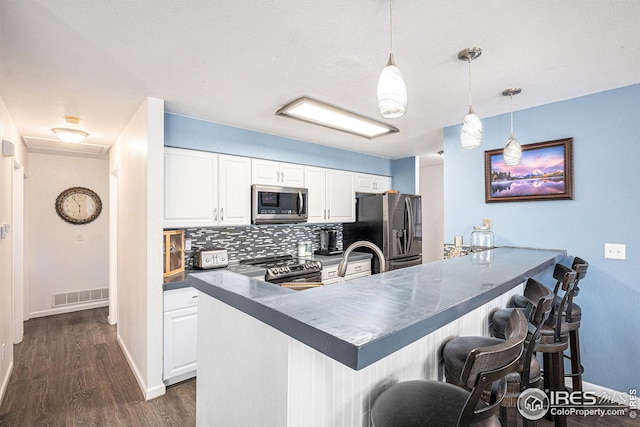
287,269
211,258
328,242
278,205
393,222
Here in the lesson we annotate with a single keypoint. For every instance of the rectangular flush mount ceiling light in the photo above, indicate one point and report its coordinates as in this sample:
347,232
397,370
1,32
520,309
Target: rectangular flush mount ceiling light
322,114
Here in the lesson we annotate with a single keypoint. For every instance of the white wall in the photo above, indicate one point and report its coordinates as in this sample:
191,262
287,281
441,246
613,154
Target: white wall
65,257
8,132
138,157
432,192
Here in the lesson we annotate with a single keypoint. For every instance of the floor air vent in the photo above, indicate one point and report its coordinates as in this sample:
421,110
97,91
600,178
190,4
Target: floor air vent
80,297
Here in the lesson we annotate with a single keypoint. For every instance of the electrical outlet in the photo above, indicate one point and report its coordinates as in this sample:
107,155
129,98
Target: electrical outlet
187,244
4,352
615,250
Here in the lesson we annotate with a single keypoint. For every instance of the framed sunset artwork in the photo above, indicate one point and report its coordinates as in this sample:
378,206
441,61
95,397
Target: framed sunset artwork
544,173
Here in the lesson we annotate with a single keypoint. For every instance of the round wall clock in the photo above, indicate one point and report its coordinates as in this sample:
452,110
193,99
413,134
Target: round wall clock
78,205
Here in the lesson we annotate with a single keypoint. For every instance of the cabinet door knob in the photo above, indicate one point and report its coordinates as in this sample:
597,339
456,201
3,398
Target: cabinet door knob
215,214
221,214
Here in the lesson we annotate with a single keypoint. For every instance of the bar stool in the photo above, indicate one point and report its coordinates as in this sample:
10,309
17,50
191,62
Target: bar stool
554,335
433,403
572,315
528,373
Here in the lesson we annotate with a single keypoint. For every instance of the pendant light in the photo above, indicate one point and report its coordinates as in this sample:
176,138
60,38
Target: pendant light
392,90
512,152
471,130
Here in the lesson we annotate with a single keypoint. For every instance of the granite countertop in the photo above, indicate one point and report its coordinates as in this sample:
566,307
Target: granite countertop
358,322
179,280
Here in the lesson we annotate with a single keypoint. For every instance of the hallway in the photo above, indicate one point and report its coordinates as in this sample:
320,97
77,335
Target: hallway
69,370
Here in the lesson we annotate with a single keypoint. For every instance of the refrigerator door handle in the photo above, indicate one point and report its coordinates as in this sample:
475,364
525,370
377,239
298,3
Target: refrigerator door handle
409,208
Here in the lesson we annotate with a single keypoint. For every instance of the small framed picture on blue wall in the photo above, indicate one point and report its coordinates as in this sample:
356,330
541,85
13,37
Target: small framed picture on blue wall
544,173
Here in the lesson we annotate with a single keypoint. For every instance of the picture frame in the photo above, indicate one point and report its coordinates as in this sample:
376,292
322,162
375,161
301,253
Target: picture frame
545,173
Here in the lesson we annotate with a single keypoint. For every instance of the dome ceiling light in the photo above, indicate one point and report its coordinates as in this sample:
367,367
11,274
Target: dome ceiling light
72,136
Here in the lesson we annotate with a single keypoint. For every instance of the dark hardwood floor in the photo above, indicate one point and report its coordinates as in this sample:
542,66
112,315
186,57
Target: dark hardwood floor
70,371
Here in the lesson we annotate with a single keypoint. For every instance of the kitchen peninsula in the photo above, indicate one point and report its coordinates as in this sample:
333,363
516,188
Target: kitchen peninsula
268,355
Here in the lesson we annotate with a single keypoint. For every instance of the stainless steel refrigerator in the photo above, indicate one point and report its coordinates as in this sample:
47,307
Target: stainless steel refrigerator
392,221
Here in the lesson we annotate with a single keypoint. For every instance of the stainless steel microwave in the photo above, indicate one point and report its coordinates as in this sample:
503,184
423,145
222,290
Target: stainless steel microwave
278,205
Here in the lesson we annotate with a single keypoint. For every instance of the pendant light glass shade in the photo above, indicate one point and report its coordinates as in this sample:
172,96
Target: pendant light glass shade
471,129
512,152
392,91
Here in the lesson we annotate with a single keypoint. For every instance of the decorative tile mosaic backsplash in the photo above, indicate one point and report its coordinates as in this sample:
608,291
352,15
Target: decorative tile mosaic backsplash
257,240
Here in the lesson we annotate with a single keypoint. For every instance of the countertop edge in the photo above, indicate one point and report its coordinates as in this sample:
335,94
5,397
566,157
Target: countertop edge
356,356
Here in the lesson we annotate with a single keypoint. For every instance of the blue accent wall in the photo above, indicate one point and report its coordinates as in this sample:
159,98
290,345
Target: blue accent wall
187,132
404,175
605,209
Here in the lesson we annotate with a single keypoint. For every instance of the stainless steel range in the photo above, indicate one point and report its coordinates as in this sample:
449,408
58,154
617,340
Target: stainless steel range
286,268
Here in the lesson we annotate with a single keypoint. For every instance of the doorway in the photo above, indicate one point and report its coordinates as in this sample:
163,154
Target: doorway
17,249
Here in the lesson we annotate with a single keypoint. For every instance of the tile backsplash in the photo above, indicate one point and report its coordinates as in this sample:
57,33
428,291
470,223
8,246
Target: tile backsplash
255,241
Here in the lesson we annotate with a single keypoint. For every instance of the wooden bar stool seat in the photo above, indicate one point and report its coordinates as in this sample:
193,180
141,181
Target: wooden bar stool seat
572,315
423,403
528,373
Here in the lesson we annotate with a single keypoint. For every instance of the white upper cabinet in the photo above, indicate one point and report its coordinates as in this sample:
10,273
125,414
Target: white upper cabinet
341,197
234,190
367,183
316,187
331,195
190,188
268,172
204,189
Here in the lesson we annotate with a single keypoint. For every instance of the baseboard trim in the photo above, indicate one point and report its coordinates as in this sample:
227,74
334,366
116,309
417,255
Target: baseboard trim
614,396
68,309
5,382
149,393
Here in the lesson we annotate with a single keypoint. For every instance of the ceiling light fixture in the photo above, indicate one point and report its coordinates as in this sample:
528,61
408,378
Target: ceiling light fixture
392,90
319,113
72,136
471,130
512,152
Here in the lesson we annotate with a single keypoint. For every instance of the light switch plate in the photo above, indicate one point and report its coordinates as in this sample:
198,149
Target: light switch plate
615,251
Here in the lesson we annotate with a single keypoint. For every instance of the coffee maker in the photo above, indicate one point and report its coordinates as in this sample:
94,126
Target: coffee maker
328,242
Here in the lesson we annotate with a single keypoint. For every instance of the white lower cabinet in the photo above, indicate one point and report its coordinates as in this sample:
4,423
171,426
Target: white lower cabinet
180,335
355,269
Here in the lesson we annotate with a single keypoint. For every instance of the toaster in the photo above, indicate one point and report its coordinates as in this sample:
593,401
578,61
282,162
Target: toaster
207,258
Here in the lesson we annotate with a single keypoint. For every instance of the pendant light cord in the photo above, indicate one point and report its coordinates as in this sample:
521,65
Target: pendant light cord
470,103
390,27
511,98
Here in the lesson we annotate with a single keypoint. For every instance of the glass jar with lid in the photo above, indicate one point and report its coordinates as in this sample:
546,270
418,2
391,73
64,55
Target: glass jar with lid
481,238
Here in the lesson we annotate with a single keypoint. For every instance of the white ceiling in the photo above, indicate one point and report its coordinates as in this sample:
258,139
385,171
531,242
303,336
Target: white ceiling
237,62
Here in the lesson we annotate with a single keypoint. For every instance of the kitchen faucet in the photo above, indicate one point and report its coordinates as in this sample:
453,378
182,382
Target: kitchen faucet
342,267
